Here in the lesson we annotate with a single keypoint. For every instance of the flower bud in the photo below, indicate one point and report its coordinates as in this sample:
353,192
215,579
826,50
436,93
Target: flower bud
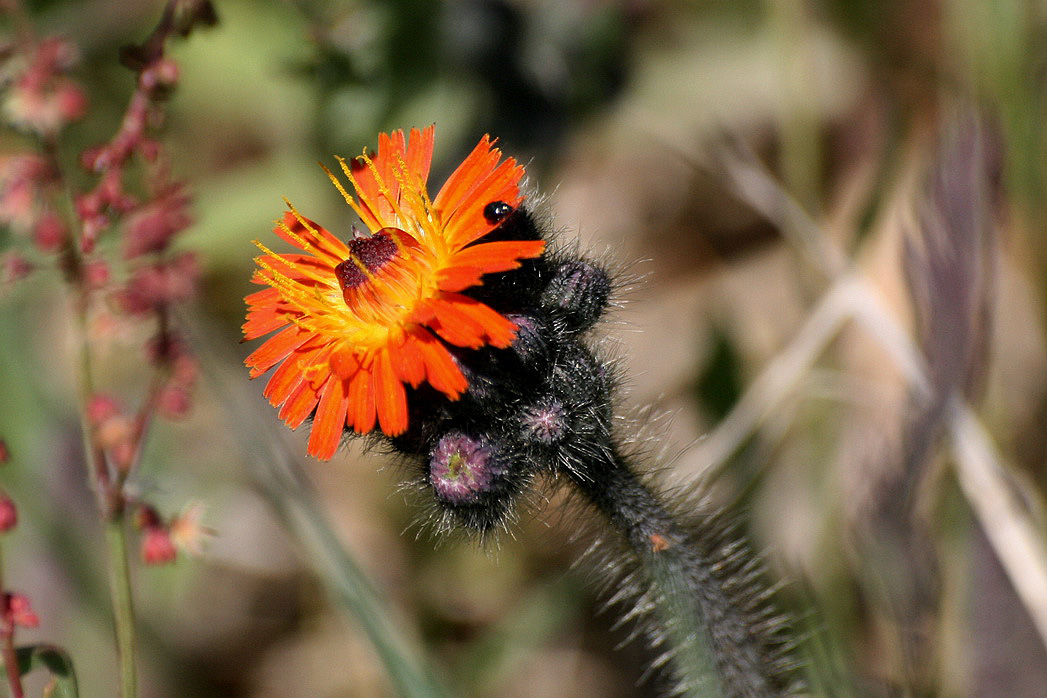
530,343
461,468
8,514
157,546
14,267
578,292
545,422
174,401
474,480
49,234
102,407
17,611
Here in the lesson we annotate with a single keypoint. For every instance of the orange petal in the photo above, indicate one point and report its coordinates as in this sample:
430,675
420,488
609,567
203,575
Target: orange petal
344,363
486,258
390,397
302,268
263,321
396,159
284,381
440,368
329,421
263,298
276,348
454,324
361,410
420,152
470,322
457,278
407,361
299,406
498,330
481,161
466,221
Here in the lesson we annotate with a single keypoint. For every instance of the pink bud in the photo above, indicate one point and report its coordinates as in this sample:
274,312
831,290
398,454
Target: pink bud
96,274
19,612
8,514
71,102
174,401
162,73
96,159
49,234
14,267
89,205
101,407
157,546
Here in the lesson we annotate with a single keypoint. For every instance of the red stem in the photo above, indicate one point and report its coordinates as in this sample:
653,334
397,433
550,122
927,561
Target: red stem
7,649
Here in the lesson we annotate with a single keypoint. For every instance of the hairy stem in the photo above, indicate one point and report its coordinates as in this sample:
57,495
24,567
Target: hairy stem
712,638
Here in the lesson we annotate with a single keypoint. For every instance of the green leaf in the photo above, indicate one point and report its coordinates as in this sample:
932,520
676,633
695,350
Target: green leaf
56,662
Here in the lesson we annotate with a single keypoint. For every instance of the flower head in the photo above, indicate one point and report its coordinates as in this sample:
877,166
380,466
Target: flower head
356,321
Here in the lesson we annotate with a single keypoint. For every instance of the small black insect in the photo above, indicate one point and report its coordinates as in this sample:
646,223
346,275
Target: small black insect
497,211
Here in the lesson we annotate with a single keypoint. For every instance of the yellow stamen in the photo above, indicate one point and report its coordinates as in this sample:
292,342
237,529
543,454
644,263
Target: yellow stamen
295,236
320,279
416,194
359,192
383,189
338,184
400,247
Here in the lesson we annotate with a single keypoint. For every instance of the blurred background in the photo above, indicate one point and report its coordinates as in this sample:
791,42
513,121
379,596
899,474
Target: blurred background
732,161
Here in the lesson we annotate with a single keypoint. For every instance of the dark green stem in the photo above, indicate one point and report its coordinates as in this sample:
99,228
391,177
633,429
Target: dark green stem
716,644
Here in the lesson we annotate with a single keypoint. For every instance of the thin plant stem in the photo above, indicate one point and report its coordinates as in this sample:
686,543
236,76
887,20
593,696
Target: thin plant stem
123,603
11,668
7,650
112,510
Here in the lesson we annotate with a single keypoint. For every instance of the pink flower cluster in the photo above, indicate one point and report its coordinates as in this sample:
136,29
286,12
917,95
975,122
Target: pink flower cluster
39,97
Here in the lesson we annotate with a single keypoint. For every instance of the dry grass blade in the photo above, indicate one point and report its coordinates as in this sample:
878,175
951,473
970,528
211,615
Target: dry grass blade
1000,507
995,497
753,184
779,378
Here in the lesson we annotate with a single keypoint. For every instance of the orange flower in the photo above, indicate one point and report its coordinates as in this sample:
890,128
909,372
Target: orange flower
357,321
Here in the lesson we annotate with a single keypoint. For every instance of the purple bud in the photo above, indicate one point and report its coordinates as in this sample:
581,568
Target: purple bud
462,467
528,340
545,421
579,291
